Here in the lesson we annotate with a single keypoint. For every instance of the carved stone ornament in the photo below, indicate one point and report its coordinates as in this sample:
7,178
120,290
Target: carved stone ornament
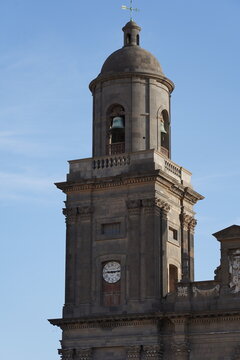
234,270
179,349
182,291
148,203
188,222
153,352
162,204
66,354
133,352
208,292
70,214
192,225
133,204
84,211
83,354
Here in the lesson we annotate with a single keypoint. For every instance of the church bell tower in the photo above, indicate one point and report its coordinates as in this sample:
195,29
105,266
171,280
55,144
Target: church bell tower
129,215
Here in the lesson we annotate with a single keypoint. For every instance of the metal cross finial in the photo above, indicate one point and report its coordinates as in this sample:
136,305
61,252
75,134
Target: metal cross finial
130,8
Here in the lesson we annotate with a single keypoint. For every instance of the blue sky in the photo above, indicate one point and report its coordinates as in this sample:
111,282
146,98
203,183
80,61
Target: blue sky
50,51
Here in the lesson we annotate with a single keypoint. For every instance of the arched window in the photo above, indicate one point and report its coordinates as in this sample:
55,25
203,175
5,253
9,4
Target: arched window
173,277
129,38
116,130
138,39
164,129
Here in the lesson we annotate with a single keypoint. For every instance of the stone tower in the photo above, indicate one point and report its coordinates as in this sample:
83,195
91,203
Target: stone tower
129,215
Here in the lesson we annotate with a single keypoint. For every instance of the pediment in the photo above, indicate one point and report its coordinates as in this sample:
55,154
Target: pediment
229,233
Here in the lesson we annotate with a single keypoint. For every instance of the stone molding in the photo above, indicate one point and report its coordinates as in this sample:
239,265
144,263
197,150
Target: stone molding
153,352
133,352
66,354
83,354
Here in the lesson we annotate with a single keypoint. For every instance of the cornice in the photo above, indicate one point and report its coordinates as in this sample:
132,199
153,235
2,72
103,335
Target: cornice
121,75
138,319
159,176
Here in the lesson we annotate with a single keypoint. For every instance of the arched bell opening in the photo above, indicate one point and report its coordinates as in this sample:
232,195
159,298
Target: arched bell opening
116,130
173,278
165,133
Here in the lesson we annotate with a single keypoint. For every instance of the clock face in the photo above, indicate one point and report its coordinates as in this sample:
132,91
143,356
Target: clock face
112,272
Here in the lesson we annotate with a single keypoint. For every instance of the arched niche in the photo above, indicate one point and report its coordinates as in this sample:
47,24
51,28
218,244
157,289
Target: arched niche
115,130
164,133
173,278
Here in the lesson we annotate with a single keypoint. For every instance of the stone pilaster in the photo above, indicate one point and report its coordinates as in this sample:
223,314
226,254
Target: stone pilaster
133,352
180,347
83,255
70,217
66,354
188,224
134,245
83,354
153,352
148,248
164,210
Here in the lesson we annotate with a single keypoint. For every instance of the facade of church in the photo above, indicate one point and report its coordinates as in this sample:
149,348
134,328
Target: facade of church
130,290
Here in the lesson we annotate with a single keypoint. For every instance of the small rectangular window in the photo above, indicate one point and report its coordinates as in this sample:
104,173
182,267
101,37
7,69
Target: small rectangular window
173,234
110,229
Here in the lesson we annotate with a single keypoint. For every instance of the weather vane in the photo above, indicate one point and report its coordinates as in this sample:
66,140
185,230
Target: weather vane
130,8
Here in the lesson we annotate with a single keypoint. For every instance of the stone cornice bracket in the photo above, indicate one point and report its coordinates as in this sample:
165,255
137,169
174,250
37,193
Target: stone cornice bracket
133,206
153,352
133,352
66,354
70,215
84,354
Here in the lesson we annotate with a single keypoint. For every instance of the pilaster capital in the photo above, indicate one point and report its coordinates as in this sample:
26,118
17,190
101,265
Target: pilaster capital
188,222
152,352
133,206
133,352
70,214
66,354
164,206
85,212
84,354
192,225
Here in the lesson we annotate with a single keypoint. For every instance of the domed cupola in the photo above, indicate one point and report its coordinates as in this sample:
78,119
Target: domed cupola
131,101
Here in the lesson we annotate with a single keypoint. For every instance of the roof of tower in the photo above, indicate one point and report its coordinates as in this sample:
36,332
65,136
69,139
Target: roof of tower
131,59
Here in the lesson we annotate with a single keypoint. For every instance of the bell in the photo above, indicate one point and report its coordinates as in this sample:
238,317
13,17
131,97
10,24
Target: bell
162,128
117,123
